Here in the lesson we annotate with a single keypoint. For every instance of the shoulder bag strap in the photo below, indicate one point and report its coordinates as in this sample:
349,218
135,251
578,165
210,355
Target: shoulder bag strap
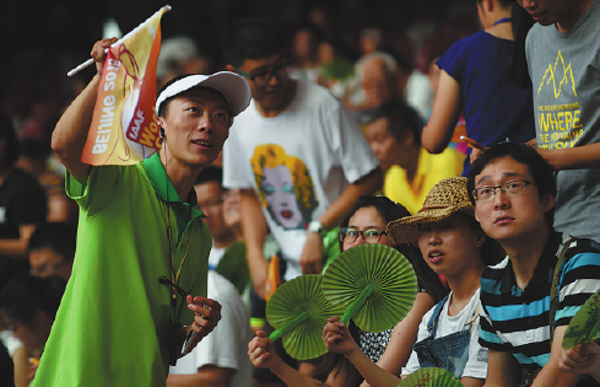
554,301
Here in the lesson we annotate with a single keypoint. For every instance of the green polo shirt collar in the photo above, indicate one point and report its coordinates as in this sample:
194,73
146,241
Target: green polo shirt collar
163,186
161,182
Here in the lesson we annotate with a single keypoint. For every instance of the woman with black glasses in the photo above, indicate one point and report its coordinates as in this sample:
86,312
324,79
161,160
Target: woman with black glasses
365,223
453,244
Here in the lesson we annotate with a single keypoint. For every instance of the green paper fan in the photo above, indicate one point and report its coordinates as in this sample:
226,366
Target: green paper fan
377,275
299,311
585,325
431,377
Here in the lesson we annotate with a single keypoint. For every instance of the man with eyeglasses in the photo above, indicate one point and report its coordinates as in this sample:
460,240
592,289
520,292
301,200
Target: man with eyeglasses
296,152
530,297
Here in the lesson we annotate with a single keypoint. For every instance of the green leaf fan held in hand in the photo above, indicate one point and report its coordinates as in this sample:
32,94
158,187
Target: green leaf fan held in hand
298,311
585,325
375,284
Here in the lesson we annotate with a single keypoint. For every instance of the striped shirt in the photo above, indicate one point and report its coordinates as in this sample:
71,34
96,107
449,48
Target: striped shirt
517,321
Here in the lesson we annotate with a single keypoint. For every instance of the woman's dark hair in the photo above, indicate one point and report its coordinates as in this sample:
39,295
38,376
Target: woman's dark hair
22,296
521,23
427,279
389,211
253,38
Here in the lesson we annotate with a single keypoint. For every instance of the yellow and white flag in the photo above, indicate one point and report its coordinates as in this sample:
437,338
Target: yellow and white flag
124,128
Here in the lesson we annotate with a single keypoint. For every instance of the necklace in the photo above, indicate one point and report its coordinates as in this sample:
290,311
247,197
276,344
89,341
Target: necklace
174,328
503,20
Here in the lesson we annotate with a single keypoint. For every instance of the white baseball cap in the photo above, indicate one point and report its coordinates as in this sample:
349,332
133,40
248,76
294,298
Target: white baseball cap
234,88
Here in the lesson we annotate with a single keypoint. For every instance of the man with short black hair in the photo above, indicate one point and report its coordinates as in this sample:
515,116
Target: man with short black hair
138,285
394,135
296,152
530,297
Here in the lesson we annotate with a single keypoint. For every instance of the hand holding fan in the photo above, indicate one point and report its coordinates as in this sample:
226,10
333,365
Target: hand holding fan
299,311
585,325
374,283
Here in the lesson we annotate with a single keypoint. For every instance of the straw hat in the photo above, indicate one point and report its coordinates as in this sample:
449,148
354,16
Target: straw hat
446,198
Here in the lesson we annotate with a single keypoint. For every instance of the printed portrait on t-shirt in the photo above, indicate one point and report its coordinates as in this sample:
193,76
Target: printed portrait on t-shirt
285,186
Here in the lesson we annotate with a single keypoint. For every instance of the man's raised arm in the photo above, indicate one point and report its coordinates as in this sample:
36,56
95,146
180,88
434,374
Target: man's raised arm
70,134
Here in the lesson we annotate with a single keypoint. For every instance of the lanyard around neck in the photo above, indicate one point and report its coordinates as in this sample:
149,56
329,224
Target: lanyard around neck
175,275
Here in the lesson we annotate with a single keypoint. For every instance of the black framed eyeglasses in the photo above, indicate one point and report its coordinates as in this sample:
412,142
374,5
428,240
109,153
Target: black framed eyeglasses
262,77
369,235
511,188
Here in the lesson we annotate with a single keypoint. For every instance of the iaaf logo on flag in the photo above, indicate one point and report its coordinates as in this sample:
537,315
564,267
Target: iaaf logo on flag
124,128
134,131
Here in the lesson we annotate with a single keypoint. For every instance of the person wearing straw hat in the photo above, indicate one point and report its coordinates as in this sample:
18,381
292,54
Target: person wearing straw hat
452,244
138,286
529,298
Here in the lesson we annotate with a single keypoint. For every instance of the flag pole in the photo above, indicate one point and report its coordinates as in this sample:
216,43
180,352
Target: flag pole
90,61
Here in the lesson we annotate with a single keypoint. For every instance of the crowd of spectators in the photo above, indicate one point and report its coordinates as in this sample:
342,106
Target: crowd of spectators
403,80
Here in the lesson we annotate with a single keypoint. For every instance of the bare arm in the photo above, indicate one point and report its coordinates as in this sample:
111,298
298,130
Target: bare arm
313,249
404,336
21,367
376,376
584,358
503,370
254,231
70,134
366,185
587,156
552,374
293,378
446,108
472,382
207,376
337,339
261,352
17,247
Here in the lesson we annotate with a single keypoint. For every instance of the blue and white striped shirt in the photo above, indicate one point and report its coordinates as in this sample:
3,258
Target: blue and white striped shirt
517,321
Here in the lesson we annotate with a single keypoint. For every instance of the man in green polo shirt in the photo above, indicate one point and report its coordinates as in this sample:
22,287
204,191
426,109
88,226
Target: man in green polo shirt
139,275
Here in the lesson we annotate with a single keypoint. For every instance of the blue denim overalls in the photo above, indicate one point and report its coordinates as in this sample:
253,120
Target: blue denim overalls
449,352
